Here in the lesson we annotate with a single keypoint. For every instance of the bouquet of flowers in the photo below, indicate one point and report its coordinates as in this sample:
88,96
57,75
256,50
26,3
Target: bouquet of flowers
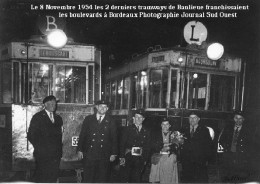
177,138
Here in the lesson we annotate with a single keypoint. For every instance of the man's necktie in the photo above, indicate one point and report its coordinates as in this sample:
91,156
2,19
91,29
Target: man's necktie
192,131
234,141
100,119
51,117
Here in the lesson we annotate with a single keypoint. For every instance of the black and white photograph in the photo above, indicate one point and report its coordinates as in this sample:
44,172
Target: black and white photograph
129,91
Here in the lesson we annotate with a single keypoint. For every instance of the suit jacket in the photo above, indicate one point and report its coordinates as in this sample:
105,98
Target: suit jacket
198,147
98,140
132,138
242,141
45,136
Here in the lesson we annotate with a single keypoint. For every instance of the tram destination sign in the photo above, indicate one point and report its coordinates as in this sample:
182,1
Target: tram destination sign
54,53
205,62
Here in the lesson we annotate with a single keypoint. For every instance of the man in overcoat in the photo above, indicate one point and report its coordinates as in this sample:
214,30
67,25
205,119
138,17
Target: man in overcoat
45,134
195,151
97,144
235,143
135,148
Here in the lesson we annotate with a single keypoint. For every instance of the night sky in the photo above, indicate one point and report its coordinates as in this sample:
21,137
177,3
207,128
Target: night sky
120,38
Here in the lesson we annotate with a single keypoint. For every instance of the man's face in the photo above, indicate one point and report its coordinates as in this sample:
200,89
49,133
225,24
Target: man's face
102,109
194,120
165,126
238,120
138,119
50,105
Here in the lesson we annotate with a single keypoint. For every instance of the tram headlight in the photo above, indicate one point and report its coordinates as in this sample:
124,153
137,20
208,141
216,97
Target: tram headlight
215,51
57,38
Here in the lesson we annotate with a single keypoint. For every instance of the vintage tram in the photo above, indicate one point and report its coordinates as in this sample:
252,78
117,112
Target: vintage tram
173,82
30,70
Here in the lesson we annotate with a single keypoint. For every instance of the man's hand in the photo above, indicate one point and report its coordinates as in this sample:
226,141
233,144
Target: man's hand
122,161
112,158
80,155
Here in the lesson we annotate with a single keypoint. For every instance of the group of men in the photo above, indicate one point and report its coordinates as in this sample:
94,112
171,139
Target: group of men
100,144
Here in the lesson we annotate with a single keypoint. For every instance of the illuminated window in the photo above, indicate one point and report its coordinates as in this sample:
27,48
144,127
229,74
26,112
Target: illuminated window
70,84
40,81
158,88
197,90
113,94
126,93
119,93
173,88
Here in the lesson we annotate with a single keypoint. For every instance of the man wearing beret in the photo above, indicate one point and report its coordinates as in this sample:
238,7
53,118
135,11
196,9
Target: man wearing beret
97,144
235,143
45,134
135,148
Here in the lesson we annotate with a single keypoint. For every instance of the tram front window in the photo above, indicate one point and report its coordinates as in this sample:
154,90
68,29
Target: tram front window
7,82
158,88
70,84
41,81
197,90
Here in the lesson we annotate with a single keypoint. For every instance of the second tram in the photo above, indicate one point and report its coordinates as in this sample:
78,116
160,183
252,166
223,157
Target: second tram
174,81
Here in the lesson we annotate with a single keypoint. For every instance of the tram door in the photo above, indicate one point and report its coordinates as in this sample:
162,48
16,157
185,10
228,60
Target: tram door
28,75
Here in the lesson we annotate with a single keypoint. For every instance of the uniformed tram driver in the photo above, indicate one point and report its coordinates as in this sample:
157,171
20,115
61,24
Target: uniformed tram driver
135,148
97,144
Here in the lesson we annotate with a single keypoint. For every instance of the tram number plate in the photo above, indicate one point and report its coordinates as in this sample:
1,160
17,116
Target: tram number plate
74,141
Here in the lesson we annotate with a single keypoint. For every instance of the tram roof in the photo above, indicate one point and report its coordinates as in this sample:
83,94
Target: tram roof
141,61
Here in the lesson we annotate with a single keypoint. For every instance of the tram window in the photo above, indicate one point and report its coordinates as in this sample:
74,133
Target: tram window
158,88
119,93
40,81
183,89
113,94
173,88
90,83
134,89
197,91
142,88
16,82
6,82
70,84
107,91
126,93
222,93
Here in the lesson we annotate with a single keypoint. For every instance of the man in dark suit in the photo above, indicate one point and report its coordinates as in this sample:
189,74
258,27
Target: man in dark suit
235,142
195,151
98,144
135,148
45,134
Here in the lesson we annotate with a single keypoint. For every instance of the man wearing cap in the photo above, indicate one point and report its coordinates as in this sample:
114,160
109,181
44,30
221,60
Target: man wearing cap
195,151
134,148
235,142
45,134
97,144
